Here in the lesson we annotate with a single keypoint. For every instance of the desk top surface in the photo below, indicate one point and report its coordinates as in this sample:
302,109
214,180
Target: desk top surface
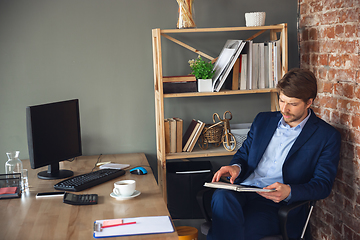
49,218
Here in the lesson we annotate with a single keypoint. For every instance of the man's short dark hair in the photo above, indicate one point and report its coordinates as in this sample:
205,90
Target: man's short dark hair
298,83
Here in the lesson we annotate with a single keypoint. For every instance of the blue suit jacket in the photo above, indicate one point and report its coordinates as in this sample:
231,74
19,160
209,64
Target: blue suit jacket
311,164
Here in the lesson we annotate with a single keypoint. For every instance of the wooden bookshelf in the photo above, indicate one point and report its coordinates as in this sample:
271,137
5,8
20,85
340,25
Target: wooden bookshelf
157,35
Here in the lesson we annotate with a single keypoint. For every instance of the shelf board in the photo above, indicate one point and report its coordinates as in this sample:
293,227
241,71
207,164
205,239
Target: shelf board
227,92
223,29
198,153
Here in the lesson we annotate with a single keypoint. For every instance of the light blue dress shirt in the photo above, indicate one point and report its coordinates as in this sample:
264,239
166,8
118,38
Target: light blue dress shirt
269,169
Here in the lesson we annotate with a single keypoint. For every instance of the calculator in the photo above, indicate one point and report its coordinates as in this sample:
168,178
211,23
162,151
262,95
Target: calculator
80,199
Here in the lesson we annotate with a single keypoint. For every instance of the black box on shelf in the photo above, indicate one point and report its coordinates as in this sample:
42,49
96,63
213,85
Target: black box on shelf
179,87
184,180
179,84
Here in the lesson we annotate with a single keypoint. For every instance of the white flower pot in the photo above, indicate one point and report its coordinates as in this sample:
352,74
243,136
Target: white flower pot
255,19
204,85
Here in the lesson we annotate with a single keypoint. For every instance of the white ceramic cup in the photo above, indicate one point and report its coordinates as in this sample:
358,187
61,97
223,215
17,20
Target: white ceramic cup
124,187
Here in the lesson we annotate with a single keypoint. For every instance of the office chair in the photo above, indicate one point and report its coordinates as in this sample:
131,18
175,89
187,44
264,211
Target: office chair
204,200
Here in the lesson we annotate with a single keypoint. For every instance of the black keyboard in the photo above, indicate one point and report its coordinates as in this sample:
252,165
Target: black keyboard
88,180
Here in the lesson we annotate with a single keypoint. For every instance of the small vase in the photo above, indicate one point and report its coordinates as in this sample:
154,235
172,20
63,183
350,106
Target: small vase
204,85
13,164
186,11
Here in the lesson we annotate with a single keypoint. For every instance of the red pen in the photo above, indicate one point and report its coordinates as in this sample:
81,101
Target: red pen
120,224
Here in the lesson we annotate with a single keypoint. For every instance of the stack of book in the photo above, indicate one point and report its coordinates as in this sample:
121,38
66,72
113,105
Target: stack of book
175,141
259,66
179,84
173,135
254,65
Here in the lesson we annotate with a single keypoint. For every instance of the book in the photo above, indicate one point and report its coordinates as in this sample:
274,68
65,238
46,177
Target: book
236,187
248,49
239,75
9,192
261,59
267,70
236,74
277,60
167,135
183,78
243,75
271,65
179,134
172,127
196,136
255,66
188,132
226,60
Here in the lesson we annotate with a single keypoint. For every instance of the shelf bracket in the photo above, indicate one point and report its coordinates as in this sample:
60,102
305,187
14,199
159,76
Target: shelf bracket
256,34
187,47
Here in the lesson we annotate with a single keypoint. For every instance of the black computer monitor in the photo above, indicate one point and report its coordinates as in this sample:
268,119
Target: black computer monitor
53,133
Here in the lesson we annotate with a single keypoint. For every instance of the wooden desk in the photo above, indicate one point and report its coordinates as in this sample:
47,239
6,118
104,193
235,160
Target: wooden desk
50,218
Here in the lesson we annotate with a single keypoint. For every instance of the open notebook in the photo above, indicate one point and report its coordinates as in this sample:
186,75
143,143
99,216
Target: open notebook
235,187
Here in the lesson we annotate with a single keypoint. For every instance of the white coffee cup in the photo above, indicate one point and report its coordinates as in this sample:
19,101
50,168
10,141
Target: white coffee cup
124,187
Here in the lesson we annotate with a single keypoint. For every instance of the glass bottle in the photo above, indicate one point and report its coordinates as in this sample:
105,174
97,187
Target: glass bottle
13,164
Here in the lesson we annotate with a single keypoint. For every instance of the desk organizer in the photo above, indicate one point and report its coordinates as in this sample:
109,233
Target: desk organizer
10,185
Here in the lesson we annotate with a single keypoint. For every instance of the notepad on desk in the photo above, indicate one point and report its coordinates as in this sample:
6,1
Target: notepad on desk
114,166
142,226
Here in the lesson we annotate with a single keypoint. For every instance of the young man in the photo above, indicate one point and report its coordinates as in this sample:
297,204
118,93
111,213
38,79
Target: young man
291,151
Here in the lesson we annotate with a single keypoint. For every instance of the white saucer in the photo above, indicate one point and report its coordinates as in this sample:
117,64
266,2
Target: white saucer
119,197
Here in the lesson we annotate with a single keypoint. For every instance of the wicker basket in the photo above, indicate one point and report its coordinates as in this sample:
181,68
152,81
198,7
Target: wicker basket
212,134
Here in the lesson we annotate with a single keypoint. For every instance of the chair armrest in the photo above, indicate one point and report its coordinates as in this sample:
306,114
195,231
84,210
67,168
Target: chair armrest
284,212
203,198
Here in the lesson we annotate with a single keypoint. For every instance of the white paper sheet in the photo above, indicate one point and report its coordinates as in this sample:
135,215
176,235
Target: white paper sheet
144,225
114,166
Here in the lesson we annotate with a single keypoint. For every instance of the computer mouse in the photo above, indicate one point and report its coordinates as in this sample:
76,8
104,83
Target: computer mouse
138,171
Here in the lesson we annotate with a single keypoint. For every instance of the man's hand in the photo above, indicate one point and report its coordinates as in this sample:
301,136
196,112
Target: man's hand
282,192
227,171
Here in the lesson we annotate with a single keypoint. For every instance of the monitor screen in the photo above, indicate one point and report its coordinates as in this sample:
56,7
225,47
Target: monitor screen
53,132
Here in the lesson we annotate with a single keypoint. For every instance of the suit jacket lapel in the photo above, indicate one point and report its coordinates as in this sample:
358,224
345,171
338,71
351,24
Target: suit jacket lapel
269,132
308,130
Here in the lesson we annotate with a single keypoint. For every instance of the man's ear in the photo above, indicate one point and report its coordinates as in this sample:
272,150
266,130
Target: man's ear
309,102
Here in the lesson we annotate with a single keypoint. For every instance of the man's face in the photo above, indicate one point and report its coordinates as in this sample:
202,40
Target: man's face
294,110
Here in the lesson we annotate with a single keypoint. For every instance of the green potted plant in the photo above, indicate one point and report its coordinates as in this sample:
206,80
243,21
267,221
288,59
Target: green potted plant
203,71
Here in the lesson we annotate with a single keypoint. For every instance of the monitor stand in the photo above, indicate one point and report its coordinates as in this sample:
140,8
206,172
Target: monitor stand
54,172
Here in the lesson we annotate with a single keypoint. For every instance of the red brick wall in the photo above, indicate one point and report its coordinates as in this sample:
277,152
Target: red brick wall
329,37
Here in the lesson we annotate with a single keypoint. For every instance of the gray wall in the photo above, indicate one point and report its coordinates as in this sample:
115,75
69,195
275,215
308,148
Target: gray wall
100,52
